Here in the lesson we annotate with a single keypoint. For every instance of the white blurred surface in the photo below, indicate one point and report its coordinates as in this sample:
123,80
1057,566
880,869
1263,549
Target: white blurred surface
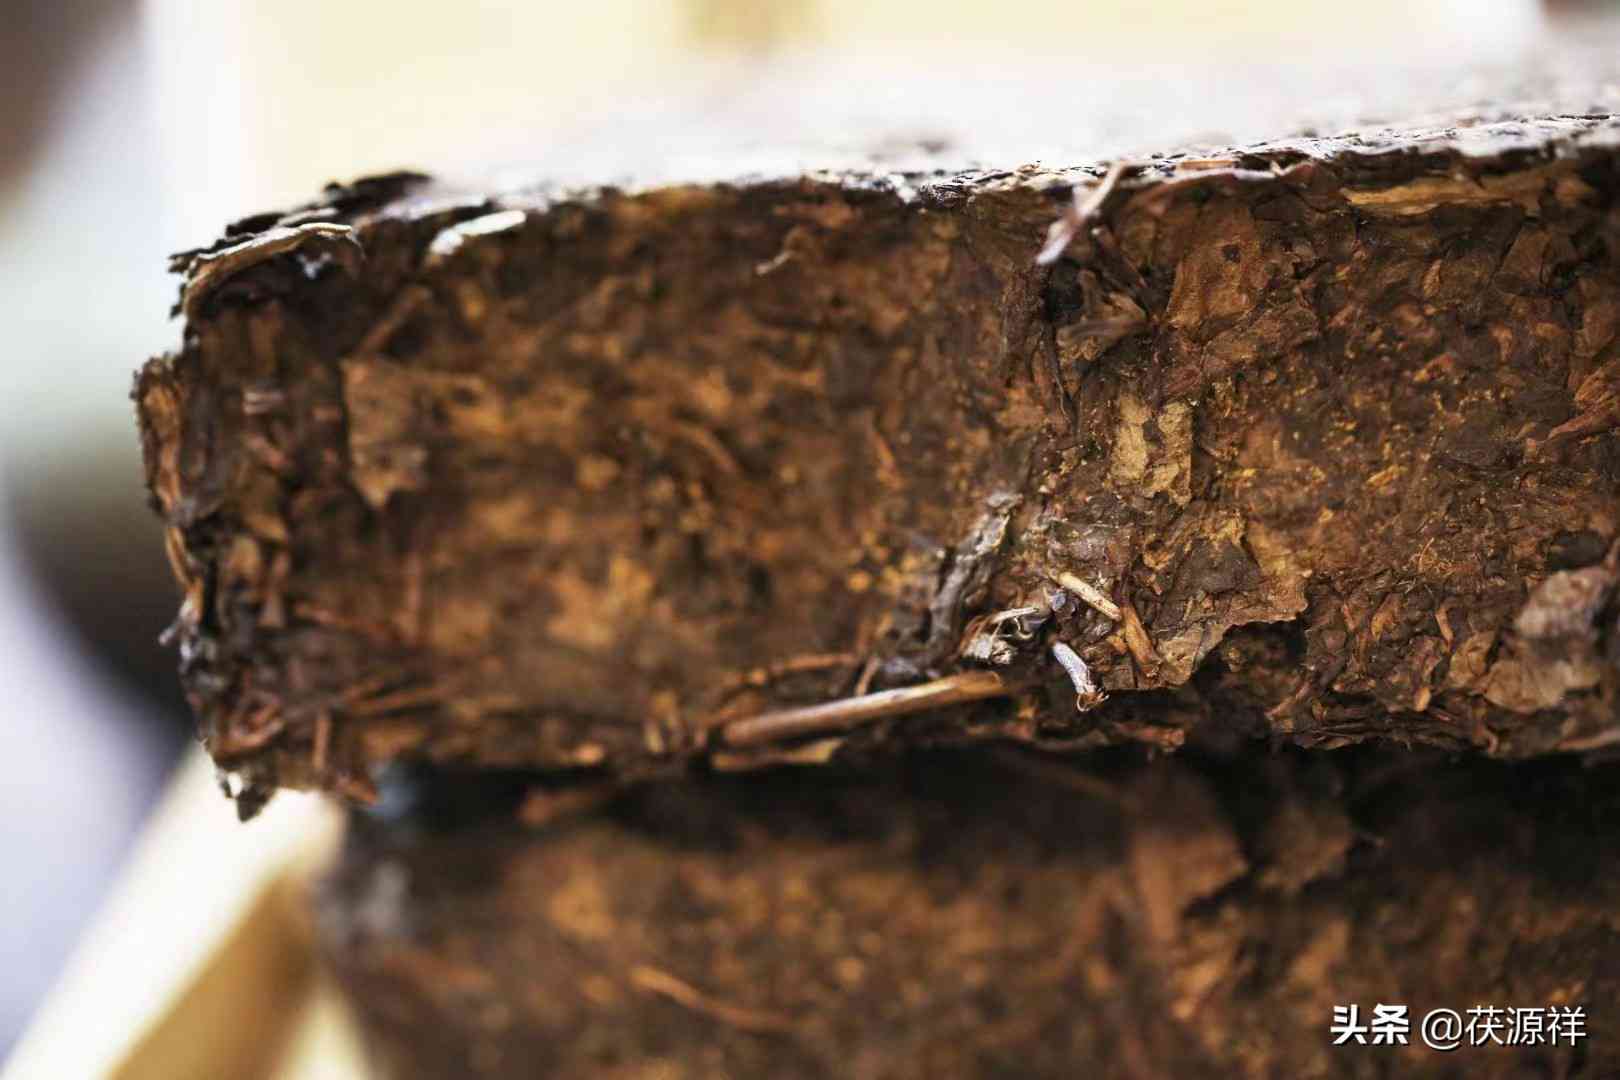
196,881
76,774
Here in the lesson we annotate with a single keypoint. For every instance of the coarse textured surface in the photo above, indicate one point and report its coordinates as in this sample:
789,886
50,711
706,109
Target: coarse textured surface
992,915
1317,436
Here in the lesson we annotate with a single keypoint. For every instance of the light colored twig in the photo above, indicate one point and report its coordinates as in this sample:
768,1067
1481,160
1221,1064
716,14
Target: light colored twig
1607,737
847,714
1094,597
1066,229
654,981
1138,642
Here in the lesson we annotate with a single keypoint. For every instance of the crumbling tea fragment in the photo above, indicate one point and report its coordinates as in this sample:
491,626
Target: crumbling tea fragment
1287,438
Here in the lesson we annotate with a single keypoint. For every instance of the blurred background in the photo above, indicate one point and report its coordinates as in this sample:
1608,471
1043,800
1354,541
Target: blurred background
134,129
